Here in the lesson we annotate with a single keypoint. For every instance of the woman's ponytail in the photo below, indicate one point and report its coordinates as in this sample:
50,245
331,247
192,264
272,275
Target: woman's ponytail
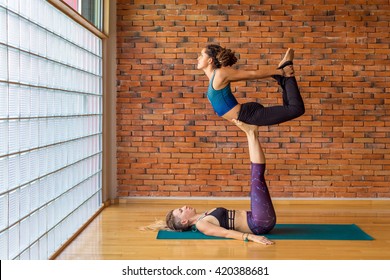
226,57
221,56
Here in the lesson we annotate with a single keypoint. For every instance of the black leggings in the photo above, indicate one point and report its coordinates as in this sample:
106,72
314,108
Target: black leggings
293,107
262,218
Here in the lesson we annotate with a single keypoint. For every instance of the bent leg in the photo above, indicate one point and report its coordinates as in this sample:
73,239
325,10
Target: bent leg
292,108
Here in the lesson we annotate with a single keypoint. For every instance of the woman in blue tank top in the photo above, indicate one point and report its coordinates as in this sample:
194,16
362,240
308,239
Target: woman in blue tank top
216,63
235,224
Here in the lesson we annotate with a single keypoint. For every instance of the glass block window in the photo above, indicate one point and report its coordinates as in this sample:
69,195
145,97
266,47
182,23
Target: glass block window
50,128
92,10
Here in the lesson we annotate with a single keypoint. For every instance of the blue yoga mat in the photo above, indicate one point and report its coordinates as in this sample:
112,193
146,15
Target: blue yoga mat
289,232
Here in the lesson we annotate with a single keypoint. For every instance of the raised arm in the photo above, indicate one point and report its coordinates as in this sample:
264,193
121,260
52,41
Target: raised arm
229,74
226,75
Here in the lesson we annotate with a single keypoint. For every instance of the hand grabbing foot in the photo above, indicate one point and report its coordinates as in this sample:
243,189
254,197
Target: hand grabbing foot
288,71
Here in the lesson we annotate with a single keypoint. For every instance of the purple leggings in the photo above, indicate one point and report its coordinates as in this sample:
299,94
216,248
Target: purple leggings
262,218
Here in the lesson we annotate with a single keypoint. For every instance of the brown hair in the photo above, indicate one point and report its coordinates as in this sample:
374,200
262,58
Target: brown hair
221,56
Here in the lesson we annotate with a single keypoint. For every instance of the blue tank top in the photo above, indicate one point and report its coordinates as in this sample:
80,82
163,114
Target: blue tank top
222,100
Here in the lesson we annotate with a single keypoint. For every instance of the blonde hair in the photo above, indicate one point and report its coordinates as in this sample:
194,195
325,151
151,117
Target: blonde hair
157,225
175,223
171,223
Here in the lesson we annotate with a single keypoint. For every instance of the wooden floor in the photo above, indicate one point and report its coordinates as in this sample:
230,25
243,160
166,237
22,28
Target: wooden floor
114,234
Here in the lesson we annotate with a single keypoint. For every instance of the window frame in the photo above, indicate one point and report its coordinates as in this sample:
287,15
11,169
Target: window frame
65,8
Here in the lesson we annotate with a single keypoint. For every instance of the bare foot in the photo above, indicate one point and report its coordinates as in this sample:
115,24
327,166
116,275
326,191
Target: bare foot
245,127
289,56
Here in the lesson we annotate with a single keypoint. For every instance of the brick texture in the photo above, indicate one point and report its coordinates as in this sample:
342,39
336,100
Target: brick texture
171,143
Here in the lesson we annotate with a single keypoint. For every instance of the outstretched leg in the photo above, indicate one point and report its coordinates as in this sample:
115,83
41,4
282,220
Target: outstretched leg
262,217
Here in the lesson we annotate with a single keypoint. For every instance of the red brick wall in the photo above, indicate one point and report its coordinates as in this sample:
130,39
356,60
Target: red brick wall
170,142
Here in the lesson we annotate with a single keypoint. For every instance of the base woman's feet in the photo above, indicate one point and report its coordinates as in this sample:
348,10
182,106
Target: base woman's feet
247,128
